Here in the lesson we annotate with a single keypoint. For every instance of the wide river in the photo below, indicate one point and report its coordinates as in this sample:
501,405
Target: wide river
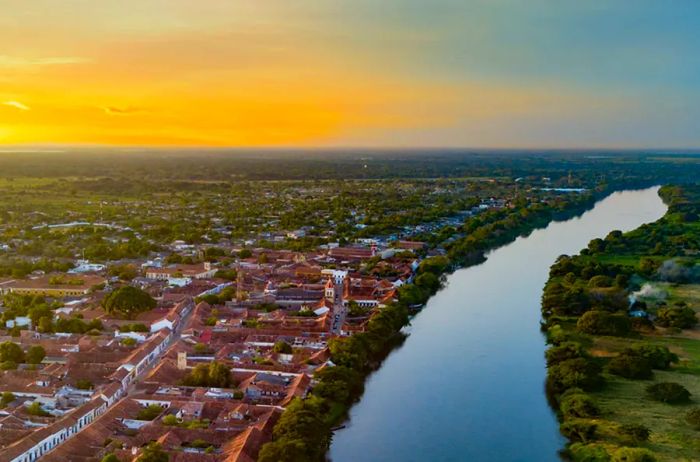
468,383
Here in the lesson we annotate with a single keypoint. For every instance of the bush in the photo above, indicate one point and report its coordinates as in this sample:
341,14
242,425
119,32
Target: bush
668,392
634,433
84,384
578,431
604,323
633,455
681,317
574,403
659,357
573,373
564,351
170,420
36,409
149,413
630,366
594,452
692,417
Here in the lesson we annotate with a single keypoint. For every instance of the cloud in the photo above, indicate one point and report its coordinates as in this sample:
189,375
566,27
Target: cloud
16,105
14,62
120,111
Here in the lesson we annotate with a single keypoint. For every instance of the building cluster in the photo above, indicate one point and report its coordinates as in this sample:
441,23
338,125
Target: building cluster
157,377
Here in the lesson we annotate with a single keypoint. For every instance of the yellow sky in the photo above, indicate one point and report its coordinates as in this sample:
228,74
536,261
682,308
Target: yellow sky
259,73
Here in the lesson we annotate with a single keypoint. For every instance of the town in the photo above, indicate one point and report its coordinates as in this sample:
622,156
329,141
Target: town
194,347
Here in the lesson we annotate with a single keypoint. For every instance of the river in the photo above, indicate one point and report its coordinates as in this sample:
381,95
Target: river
468,383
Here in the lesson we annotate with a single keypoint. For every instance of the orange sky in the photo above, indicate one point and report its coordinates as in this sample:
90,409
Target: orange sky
280,73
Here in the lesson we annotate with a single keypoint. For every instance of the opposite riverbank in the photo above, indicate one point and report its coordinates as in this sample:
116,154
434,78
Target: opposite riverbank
624,354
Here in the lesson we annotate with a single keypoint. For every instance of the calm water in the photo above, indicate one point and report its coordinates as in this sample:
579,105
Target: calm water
468,383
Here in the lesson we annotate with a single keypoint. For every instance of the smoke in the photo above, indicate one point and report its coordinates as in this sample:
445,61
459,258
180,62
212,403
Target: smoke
648,291
678,271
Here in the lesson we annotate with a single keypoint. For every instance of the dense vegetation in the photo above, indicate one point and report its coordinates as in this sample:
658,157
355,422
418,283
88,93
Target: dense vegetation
615,317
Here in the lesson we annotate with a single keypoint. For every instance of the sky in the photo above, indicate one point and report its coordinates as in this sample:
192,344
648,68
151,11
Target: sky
361,73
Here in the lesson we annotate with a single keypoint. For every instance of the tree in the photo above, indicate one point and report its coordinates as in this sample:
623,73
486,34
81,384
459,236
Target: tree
84,384
36,409
128,301
35,354
575,403
680,317
282,347
110,458
659,357
12,352
153,453
150,412
668,392
573,373
578,430
213,375
170,420
604,323
630,366
6,398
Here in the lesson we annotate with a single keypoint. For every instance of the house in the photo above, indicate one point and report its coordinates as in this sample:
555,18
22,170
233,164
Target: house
200,271
55,285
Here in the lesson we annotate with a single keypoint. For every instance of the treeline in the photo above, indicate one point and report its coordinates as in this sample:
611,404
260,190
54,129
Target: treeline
591,294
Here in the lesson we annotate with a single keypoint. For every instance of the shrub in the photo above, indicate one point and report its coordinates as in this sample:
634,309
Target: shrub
681,317
604,323
633,455
668,392
593,452
573,373
170,420
36,409
84,384
692,417
564,351
630,366
575,403
659,357
578,431
149,413
634,433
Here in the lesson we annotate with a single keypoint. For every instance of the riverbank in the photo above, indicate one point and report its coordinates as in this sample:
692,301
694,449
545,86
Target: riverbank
624,354
304,431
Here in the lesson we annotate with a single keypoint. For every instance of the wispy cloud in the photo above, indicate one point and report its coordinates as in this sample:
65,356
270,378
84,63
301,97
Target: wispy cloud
16,62
16,105
120,111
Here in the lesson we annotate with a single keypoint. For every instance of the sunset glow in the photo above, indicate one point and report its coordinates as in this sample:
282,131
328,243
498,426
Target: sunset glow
361,73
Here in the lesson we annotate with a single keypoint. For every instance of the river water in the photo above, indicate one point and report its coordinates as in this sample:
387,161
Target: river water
468,383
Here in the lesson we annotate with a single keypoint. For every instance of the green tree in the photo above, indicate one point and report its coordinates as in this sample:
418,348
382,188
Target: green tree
282,347
35,354
128,301
110,458
153,453
10,351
